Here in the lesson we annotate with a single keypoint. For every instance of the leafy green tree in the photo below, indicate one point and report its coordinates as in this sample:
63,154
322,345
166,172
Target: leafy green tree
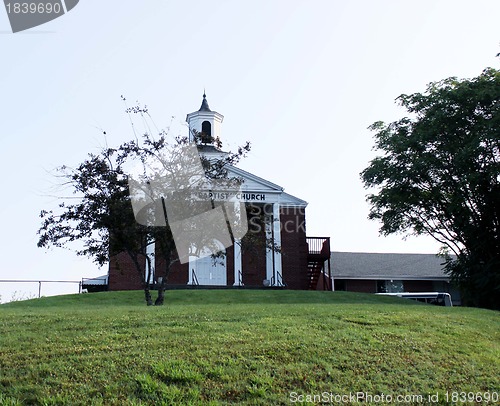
439,174
100,215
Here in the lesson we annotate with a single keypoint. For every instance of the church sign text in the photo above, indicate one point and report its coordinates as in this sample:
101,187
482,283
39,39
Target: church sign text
241,196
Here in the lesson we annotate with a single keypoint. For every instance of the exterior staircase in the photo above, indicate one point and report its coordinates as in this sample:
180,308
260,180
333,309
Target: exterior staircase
318,263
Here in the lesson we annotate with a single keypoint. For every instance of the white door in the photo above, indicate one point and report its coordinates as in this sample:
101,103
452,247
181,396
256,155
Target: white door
210,271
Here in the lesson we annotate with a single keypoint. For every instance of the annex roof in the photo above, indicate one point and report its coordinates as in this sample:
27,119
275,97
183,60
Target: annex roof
383,266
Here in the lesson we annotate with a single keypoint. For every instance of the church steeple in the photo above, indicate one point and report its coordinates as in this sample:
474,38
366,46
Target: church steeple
205,122
204,103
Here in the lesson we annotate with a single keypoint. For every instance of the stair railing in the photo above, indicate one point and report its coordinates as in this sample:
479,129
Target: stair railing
277,281
194,278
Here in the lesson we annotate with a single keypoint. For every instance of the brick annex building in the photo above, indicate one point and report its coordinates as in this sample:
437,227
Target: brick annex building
301,263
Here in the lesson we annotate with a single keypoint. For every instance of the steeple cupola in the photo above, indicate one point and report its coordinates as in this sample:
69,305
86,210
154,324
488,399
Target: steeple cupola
205,122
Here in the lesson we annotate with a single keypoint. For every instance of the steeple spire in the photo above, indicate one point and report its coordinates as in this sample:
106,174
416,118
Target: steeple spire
204,103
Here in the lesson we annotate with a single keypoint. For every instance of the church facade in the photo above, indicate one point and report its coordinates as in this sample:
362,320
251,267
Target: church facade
293,261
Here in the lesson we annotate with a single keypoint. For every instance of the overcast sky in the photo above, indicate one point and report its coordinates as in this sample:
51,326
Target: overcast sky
302,80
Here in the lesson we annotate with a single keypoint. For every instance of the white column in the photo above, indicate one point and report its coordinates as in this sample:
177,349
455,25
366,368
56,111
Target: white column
277,241
237,263
269,251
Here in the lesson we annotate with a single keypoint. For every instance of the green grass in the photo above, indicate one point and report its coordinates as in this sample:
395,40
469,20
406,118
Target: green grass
239,346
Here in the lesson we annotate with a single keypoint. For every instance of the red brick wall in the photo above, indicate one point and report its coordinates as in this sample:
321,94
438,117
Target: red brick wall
370,286
253,263
294,248
253,249
361,285
123,274
178,274
418,286
230,265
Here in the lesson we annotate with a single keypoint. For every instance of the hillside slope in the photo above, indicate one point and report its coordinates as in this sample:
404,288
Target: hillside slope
241,346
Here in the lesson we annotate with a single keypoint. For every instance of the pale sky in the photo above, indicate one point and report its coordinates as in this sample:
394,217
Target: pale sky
302,80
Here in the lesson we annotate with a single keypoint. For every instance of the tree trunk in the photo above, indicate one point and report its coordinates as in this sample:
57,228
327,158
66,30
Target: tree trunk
147,295
147,291
161,289
145,284
161,293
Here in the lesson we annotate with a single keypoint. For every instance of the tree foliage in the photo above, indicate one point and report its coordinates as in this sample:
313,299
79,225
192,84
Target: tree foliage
439,174
99,214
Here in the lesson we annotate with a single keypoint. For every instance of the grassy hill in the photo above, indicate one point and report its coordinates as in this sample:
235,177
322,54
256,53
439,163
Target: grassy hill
241,346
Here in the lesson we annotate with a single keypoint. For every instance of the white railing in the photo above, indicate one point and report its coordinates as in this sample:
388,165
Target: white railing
79,283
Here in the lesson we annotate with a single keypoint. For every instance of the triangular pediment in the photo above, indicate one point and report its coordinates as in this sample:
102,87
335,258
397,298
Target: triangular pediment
255,184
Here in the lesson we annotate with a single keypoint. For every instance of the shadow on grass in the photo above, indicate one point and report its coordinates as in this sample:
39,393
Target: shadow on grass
202,297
